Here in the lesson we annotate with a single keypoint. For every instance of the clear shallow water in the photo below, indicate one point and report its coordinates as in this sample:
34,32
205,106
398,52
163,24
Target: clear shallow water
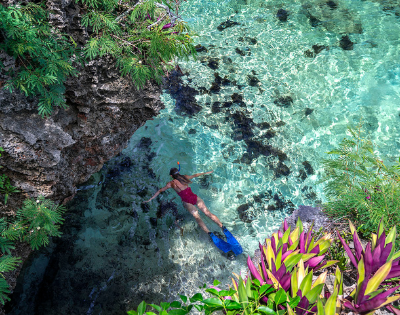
293,106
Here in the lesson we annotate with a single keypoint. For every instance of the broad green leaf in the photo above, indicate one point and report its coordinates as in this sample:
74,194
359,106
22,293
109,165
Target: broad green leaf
293,283
285,236
278,261
292,259
150,313
330,263
225,293
264,288
183,298
320,307
197,297
321,279
216,282
294,235
132,313
165,305
213,291
314,293
305,285
232,305
295,245
330,305
199,307
213,302
294,301
156,307
256,282
299,224
141,308
176,304
178,311
266,310
378,277
248,288
280,297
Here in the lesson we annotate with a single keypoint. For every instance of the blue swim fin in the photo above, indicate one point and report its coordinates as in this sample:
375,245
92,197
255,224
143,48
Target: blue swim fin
236,247
221,244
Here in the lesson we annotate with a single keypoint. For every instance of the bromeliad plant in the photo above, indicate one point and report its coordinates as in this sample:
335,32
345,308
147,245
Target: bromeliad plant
285,249
376,253
367,297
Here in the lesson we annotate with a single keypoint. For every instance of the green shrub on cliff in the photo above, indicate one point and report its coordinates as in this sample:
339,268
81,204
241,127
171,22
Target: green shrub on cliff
7,264
41,52
360,186
143,38
41,219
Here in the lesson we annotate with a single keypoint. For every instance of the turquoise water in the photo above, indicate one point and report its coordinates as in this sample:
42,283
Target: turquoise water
293,104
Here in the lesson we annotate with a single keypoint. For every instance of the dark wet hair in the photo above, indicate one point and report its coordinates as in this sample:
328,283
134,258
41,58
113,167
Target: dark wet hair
174,172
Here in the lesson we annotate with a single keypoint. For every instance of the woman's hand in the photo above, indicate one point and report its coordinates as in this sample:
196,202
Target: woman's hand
146,201
209,172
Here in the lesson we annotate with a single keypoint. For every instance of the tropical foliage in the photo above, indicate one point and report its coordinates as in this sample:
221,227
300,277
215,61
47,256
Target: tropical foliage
360,186
143,38
268,290
41,52
34,223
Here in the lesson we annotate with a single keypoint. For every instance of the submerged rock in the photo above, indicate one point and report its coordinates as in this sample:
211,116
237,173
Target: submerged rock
283,101
309,169
244,214
253,80
345,43
308,111
240,51
186,103
200,48
226,24
302,175
282,15
213,63
332,5
281,170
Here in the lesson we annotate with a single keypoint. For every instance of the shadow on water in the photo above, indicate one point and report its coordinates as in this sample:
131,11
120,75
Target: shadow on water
114,252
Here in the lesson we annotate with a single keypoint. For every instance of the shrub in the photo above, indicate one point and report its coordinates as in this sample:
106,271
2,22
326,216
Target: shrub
38,219
7,264
41,52
143,37
360,186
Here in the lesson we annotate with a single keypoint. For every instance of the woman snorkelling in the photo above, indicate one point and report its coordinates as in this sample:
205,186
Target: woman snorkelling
180,183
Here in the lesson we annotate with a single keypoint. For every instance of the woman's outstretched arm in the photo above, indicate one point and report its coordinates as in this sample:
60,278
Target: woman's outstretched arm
159,191
198,174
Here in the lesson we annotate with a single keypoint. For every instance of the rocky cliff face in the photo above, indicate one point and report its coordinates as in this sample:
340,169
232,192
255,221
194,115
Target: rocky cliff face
51,156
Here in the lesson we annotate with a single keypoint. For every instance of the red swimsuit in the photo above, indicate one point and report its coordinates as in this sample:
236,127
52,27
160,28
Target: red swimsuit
188,196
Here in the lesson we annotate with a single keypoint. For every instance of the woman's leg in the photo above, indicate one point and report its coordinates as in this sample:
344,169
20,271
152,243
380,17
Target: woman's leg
193,211
202,206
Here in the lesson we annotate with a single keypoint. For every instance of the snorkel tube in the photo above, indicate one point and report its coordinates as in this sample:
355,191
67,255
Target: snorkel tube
179,169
